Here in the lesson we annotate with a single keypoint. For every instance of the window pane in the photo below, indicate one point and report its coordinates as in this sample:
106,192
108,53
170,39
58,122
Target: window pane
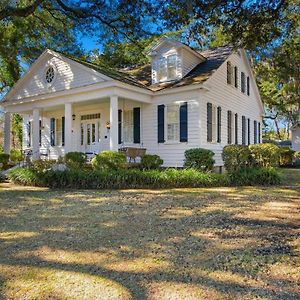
93,133
58,132
173,123
88,134
162,69
171,66
128,126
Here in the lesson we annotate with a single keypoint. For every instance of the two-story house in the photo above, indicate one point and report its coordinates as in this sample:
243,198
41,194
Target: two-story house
184,99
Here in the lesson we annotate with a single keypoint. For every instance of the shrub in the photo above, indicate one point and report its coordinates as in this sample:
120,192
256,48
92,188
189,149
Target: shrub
265,155
4,159
109,160
297,154
41,165
286,156
16,156
149,161
117,179
75,160
255,176
236,157
199,159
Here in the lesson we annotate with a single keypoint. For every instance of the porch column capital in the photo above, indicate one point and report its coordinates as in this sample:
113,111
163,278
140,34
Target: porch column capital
36,134
7,126
113,113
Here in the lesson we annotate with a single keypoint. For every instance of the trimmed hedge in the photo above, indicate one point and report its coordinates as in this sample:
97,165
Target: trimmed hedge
265,155
149,161
75,160
286,156
199,158
109,160
117,179
254,176
237,157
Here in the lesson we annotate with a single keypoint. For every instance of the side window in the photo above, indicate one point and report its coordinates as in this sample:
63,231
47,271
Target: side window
248,86
212,123
128,126
236,127
243,130
58,132
229,127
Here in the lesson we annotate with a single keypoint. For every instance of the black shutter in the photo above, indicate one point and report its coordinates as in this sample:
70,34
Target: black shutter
52,132
248,86
161,123
243,130
137,125
255,132
229,127
120,126
183,116
219,123
63,131
29,134
236,84
243,82
209,122
259,132
249,131
236,125
40,133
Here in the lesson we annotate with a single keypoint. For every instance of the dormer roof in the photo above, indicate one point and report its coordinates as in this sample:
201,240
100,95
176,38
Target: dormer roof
165,40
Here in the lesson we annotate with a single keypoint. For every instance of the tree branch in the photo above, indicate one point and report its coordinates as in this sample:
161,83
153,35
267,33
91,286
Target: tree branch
10,11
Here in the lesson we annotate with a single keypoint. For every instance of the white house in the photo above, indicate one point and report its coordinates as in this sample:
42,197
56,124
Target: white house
296,137
183,99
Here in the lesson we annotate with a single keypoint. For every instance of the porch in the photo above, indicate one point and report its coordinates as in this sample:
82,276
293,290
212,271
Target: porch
89,126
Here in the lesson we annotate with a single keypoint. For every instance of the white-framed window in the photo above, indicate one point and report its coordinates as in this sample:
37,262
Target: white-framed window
167,68
172,123
128,126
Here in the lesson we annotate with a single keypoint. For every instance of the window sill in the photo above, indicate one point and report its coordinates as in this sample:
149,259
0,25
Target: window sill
174,142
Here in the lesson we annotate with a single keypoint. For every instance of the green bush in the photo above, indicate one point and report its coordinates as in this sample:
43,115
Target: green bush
109,160
254,176
286,156
265,155
149,161
16,156
4,159
75,160
199,159
236,157
297,154
42,165
117,179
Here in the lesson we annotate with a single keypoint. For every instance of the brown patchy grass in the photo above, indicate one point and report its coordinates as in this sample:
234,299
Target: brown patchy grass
213,243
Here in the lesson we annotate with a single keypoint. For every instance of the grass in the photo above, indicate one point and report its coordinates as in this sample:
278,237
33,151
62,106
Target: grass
208,243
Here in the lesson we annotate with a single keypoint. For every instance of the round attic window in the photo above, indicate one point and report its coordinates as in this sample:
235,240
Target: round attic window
49,75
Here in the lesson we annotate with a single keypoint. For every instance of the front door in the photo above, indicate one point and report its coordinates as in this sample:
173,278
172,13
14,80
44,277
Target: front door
90,135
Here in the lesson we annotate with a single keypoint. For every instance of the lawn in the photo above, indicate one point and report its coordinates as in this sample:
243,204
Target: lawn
208,243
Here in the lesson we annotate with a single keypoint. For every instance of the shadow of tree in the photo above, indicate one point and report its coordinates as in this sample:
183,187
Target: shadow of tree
202,238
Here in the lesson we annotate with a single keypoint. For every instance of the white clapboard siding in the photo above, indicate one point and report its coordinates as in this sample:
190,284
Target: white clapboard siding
69,74
189,61
229,98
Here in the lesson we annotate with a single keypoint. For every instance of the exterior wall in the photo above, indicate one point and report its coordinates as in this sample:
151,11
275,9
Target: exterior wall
189,61
229,98
296,138
171,153
68,75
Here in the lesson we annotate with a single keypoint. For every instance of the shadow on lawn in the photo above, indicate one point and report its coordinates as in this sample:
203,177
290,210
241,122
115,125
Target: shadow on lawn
140,240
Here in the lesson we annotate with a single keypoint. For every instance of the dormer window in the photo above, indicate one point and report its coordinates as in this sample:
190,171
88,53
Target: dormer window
167,68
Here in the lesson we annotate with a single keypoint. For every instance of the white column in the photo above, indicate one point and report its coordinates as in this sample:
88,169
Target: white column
36,134
113,142
6,132
68,127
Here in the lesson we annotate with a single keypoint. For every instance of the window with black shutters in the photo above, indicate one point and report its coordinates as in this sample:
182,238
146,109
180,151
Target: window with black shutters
229,127
243,82
259,140
52,131
209,122
236,77
236,126
243,130
40,133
